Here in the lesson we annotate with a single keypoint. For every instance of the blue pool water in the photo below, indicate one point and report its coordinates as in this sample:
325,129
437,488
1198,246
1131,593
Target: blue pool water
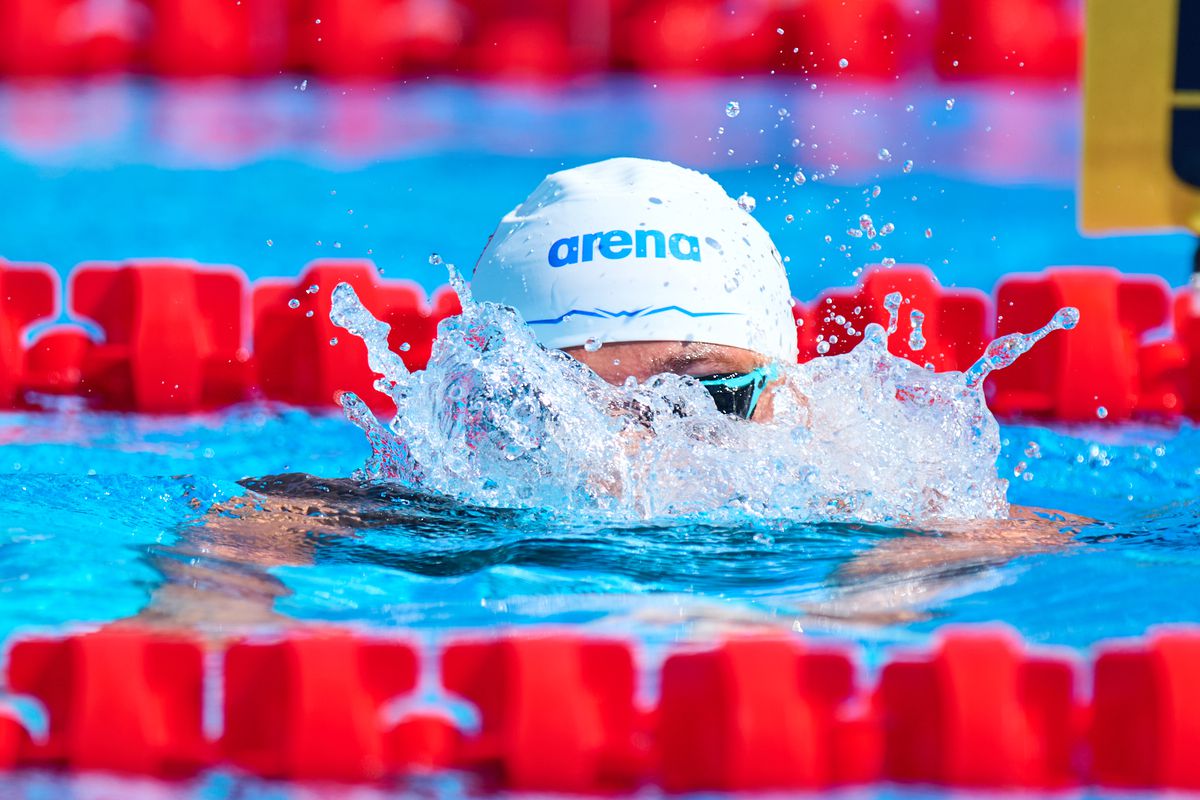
104,515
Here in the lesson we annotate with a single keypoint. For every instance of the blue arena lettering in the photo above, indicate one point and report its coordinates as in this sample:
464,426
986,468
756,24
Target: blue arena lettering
617,244
693,251
660,243
558,258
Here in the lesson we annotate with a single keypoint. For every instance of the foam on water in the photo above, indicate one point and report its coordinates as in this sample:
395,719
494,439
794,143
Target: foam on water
496,420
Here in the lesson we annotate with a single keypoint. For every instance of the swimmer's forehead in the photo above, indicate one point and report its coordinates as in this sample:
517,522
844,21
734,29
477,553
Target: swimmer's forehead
679,357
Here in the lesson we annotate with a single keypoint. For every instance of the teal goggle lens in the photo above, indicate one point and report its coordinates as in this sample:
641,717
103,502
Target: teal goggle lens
737,393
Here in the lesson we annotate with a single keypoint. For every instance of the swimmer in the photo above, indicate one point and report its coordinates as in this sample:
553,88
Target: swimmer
635,268
638,268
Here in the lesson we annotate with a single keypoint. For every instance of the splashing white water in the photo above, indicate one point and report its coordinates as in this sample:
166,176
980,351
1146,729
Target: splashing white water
497,420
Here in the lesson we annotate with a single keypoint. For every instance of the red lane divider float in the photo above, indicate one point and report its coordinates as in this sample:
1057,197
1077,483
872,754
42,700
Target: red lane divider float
956,324
763,714
28,293
537,38
42,38
1092,372
1037,39
194,38
310,706
1146,713
557,713
116,700
561,712
297,361
1178,370
980,712
173,336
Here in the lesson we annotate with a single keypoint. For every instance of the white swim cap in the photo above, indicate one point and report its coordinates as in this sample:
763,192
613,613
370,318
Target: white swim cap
631,250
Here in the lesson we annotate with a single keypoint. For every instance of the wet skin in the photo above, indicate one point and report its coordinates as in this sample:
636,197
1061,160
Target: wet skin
617,361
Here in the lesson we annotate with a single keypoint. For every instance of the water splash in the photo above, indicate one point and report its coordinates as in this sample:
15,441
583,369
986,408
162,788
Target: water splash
347,312
496,420
1007,349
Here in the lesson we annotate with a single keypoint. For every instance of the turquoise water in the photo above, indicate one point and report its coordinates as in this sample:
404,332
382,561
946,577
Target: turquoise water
97,509
105,516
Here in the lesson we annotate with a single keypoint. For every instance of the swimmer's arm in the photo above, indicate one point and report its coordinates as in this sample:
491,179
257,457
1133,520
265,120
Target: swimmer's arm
893,581
216,578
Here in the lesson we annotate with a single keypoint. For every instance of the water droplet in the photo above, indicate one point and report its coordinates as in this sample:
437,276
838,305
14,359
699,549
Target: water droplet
313,289
916,339
293,303
875,191
795,142
1033,450
1101,412
865,222
884,154
822,348
843,63
949,103
304,85
308,313
270,242
592,344
908,165
405,347
435,259
929,233
828,238
799,178
746,202
733,108
891,303
886,229
888,261
732,282
789,218
779,31
908,107
855,232
333,342
1019,468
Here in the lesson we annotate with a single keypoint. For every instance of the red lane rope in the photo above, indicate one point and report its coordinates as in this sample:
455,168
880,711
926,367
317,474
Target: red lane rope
179,337
377,39
559,712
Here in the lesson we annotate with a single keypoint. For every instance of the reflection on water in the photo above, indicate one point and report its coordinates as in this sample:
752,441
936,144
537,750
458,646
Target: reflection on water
223,571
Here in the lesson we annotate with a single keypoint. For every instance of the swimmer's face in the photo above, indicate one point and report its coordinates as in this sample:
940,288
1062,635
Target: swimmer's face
642,360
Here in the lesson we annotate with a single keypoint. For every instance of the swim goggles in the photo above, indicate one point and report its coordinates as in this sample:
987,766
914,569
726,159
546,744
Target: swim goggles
737,393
